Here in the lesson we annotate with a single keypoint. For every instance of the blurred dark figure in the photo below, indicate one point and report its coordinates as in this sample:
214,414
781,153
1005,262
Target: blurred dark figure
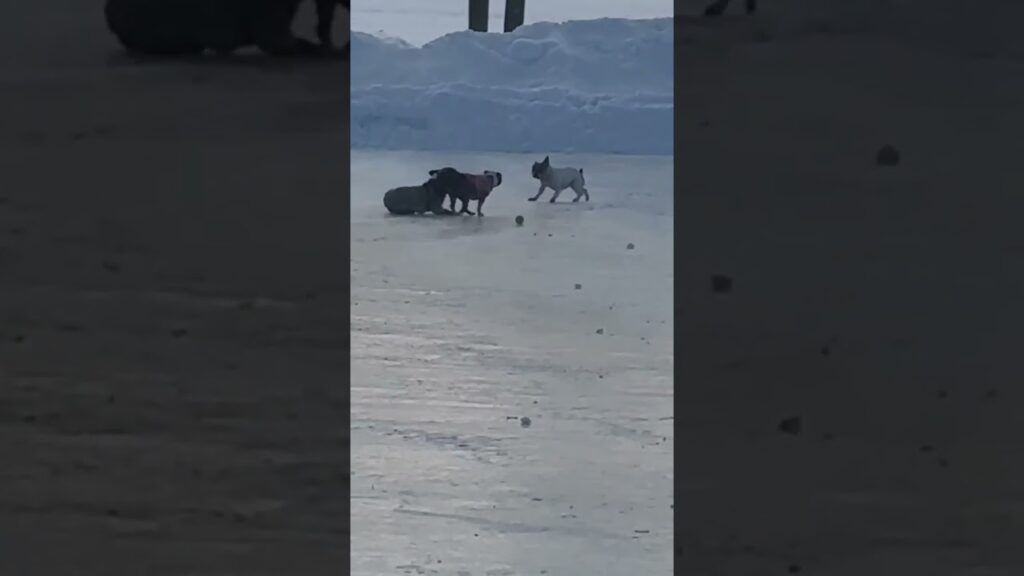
188,27
717,8
325,18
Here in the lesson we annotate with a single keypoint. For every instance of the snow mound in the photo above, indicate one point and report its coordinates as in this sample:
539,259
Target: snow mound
580,86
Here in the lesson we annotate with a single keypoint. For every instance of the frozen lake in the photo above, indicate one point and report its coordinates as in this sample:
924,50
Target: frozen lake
461,326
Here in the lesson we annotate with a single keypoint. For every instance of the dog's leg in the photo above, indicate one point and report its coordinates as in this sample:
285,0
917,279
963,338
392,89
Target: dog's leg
451,203
539,192
577,187
324,21
325,10
270,27
465,207
435,205
480,207
438,209
555,197
716,8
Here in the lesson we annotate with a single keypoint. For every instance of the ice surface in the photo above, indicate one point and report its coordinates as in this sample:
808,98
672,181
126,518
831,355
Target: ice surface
462,325
587,86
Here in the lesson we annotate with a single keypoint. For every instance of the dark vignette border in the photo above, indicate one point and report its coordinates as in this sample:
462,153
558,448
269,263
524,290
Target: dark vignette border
87,251
678,263
885,442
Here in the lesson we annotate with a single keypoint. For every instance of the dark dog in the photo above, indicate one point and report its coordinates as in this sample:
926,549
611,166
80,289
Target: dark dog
471,187
717,8
190,27
427,197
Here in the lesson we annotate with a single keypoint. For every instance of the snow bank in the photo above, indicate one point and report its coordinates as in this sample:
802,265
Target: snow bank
580,86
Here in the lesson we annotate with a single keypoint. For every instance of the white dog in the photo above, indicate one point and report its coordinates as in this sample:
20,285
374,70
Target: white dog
559,179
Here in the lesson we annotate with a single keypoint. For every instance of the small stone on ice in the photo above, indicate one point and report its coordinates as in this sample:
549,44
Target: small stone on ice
525,422
887,155
792,425
630,246
519,220
600,331
721,284
579,286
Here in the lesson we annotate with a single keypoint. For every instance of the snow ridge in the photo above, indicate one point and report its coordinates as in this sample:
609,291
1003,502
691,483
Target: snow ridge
600,86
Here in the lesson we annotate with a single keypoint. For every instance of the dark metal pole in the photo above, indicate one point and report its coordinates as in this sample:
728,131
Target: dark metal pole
515,12
478,15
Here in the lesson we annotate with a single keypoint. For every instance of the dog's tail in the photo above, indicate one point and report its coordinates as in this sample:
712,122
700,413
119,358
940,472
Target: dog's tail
583,181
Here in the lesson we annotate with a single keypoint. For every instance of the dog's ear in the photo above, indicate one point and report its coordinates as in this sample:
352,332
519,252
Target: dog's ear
547,160
432,174
498,174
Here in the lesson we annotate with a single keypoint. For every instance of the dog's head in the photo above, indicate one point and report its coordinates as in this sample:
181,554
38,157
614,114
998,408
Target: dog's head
540,167
444,180
495,177
446,174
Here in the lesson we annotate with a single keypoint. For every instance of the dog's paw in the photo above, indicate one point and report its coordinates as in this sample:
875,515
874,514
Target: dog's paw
531,199
575,199
552,201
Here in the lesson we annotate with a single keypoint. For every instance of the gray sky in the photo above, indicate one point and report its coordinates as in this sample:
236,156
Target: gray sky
419,21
